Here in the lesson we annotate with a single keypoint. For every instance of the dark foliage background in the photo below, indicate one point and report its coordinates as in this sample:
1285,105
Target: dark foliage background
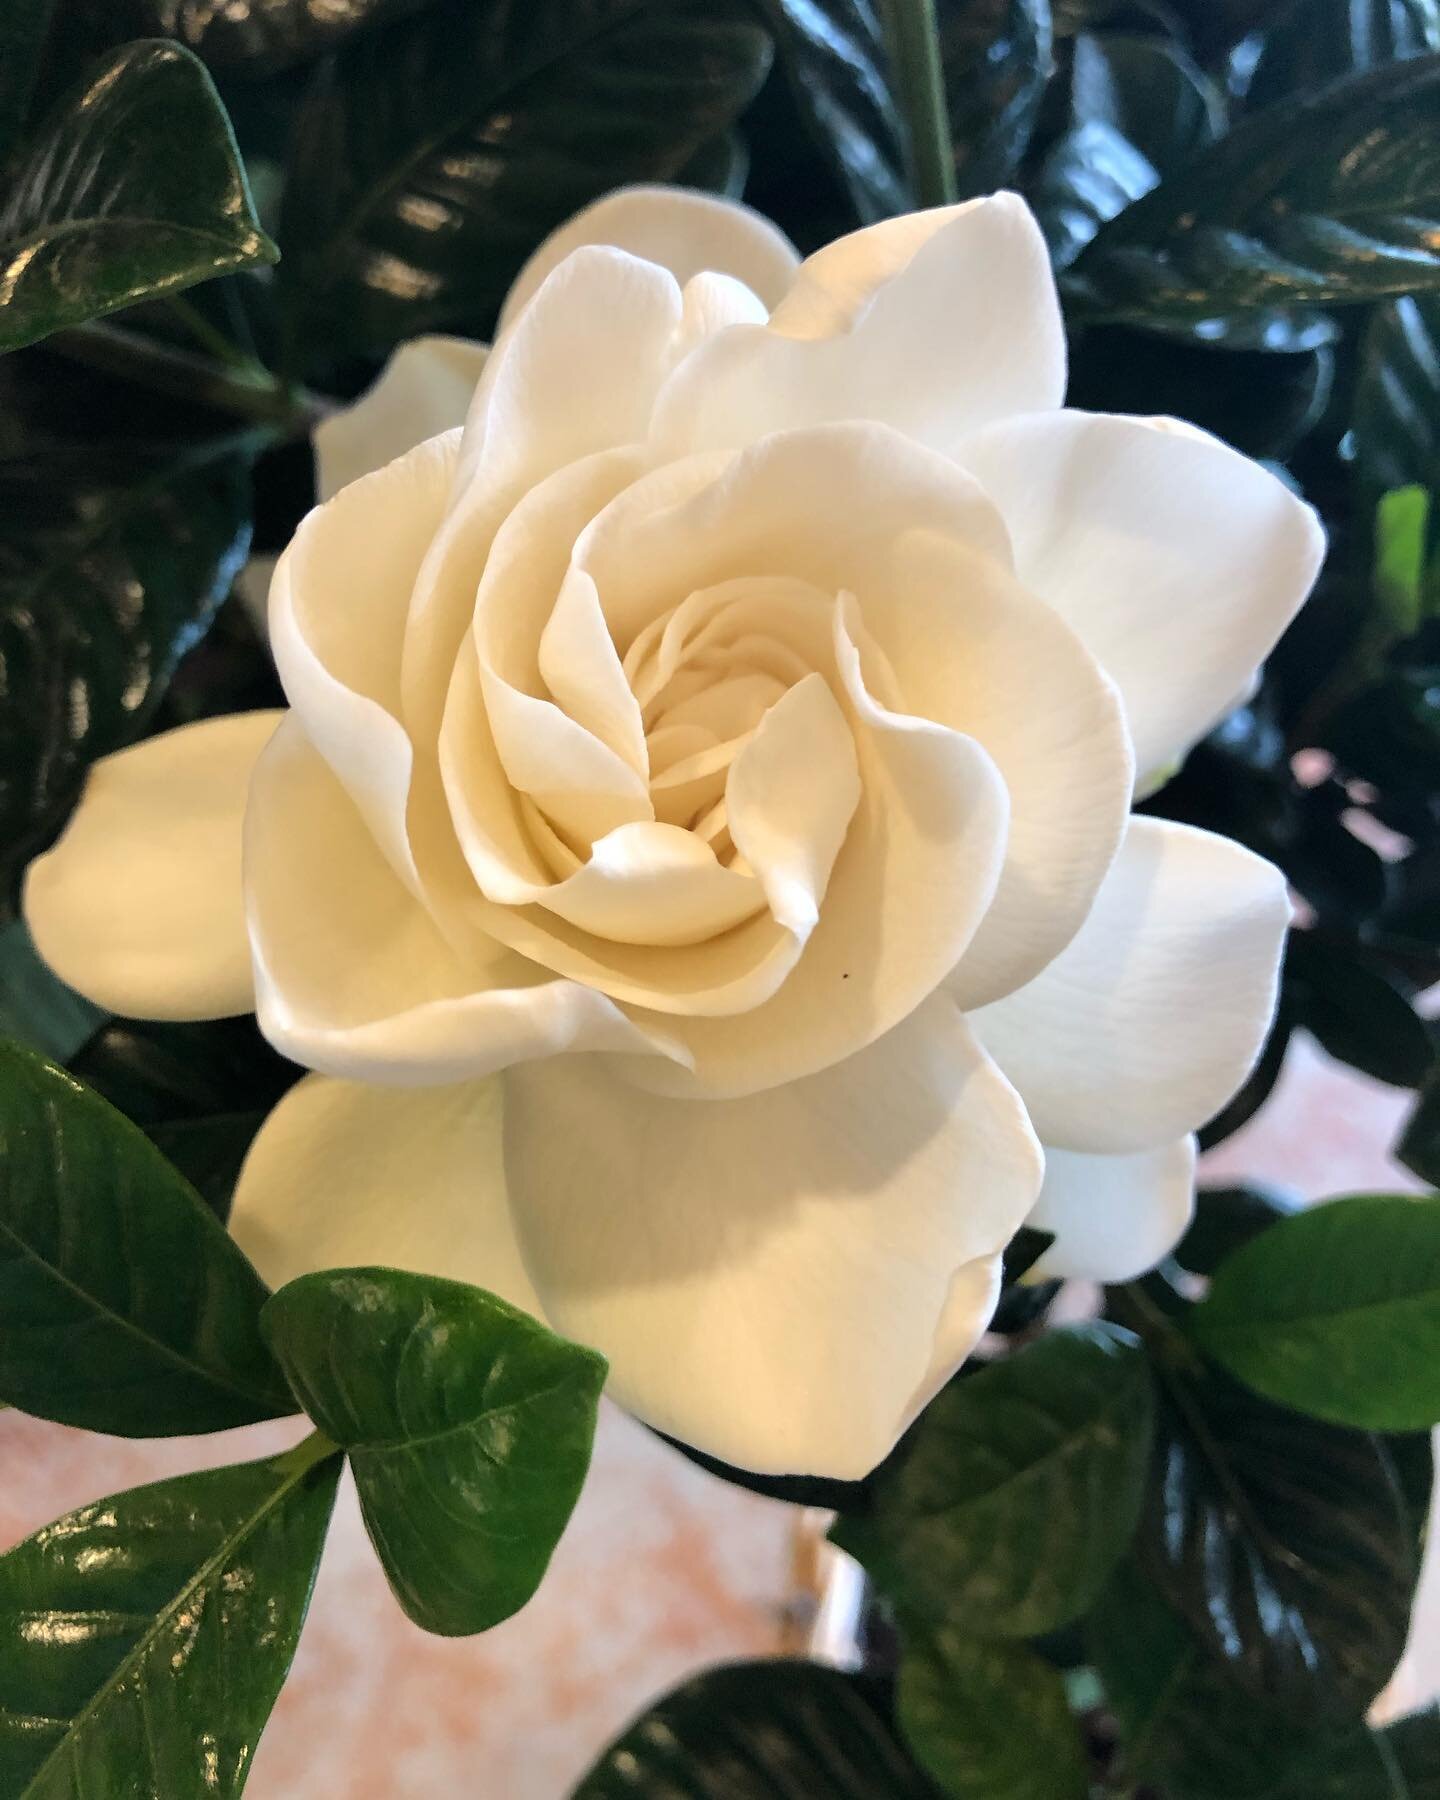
1167,1554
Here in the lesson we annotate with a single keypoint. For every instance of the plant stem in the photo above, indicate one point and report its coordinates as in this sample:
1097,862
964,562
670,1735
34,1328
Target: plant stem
914,44
210,337
258,396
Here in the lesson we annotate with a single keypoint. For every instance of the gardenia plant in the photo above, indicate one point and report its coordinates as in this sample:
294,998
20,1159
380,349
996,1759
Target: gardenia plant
697,860
687,693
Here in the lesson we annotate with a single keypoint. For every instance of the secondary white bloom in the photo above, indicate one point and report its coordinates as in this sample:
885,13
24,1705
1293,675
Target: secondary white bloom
698,859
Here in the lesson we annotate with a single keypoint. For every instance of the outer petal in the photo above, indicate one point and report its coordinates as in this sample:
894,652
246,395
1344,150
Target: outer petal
685,232
1178,561
967,331
139,903
343,1174
1150,1019
424,389
1114,1217
353,978
768,1276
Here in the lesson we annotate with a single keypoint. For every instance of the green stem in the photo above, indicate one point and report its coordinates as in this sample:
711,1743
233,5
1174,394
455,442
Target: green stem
258,396
914,44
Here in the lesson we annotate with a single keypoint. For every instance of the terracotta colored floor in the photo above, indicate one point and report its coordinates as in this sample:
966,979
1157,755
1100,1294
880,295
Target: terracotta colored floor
663,1570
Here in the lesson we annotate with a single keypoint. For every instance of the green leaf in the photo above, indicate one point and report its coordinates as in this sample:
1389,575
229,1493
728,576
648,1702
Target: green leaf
1284,1542
1396,421
1312,42
1336,1312
126,1307
260,36
468,1425
1419,1145
1018,1489
35,1005
432,156
132,188
833,56
1227,1218
144,1638
160,1073
996,59
1330,196
989,1721
23,25
1402,519
757,1731
1356,1009
111,565
1149,91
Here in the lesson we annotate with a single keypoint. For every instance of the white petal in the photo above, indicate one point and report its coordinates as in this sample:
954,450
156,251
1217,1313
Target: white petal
768,1276
1150,1019
655,884
425,388
353,977
972,649
836,283
338,604
917,873
344,1175
685,232
1178,561
966,331
138,906
1114,1217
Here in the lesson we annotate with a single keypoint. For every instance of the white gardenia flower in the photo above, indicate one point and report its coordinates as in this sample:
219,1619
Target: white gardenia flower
697,860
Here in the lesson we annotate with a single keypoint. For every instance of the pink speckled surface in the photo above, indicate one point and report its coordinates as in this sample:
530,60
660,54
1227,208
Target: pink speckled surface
662,1571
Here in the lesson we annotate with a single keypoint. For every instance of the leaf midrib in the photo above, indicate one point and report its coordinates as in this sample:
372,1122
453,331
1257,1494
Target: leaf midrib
210,1376
1266,1322
391,1446
58,231
141,1648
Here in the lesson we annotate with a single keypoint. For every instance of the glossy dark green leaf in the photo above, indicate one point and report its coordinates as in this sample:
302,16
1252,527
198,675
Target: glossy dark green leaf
1190,1730
431,156
996,58
1148,90
1396,421
144,1638
1090,174
989,1721
1283,1541
36,1007
158,1073
23,25
126,1308
1312,42
468,1425
1018,1489
833,55
259,36
133,187
1330,196
1352,1004
1336,1312
757,1731
1419,1145
111,565
1227,1218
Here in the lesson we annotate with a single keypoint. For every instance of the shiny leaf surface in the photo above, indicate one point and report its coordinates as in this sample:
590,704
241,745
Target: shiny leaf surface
996,57
756,1731
1330,196
989,1721
112,563
143,1638
833,54
1018,1488
1336,1312
1312,42
126,1308
1397,394
433,155
468,1425
1284,1542
133,187
258,36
